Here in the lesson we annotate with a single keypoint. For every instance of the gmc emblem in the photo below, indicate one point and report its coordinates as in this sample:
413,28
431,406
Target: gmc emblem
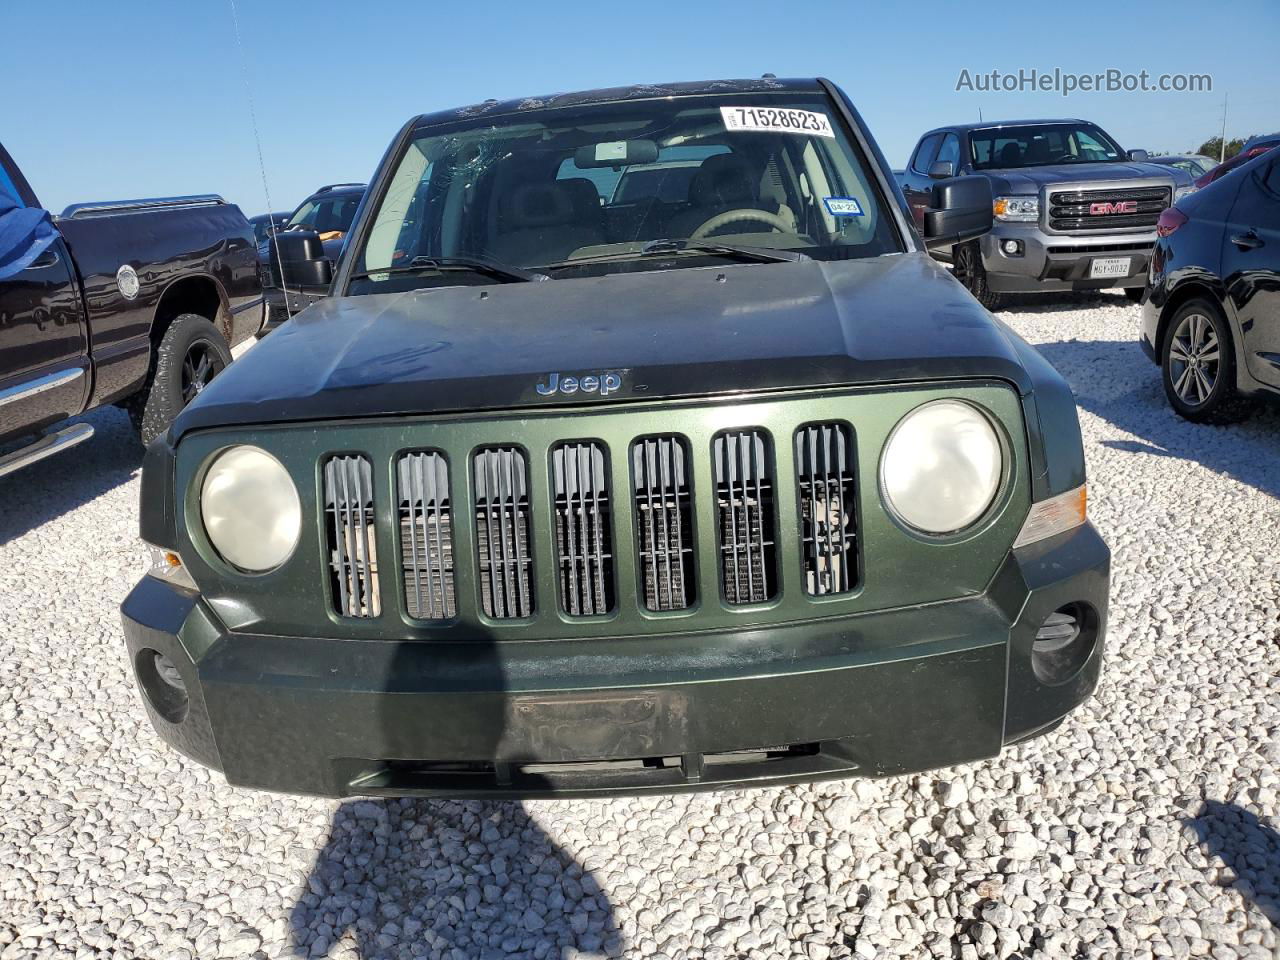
1105,208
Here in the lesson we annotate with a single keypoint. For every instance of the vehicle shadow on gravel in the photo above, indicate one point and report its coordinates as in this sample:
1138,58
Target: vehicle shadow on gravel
456,879
1114,380
1248,848
50,488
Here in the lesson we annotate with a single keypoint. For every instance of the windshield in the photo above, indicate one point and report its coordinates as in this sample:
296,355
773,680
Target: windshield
1040,145
556,190
326,213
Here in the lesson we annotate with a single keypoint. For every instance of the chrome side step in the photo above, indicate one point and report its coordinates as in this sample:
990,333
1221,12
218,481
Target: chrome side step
45,446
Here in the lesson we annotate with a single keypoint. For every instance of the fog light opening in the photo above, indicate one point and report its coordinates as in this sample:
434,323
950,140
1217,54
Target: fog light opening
1011,248
163,685
1064,642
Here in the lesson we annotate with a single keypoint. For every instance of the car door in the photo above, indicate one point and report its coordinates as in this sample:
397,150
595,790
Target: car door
916,185
43,350
1251,268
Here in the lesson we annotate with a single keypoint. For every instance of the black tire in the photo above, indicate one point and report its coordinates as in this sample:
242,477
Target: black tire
966,266
191,353
1198,366
1135,293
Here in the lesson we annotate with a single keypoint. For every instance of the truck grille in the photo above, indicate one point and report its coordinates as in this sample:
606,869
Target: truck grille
664,516
824,468
744,501
582,528
349,526
502,532
1069,210
426,536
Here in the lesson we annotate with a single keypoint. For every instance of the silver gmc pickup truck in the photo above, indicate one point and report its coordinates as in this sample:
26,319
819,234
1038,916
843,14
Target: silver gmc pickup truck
1073,211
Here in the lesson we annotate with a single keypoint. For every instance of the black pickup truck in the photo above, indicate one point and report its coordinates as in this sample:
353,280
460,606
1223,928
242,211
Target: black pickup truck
135,303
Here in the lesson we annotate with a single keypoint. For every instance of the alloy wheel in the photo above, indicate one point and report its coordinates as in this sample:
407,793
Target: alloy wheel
199,367
1194,359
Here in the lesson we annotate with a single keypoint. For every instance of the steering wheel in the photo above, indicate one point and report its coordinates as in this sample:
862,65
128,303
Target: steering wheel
733,216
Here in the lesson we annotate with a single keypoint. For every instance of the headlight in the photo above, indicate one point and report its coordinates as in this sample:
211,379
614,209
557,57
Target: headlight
250,509
1186,191
941,467
1016,208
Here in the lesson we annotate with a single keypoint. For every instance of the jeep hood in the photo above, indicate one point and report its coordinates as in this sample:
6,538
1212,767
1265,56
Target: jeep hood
687,332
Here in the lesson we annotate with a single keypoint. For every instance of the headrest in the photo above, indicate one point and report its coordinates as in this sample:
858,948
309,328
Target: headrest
583,196
1010,154
722,180
539,205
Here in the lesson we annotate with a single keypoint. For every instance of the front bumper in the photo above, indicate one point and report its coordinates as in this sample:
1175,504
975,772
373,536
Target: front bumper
876,694
1055,262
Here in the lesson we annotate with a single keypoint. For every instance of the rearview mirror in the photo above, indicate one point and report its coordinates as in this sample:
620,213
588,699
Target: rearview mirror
298,256
942,170
959,210
1137,155
617,153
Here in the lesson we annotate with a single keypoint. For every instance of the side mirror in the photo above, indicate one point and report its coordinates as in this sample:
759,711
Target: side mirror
1137,155
302,265
959,210
942,170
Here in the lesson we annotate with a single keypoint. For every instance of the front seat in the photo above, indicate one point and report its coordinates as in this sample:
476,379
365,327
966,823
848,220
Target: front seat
542,223
723,182
1010,155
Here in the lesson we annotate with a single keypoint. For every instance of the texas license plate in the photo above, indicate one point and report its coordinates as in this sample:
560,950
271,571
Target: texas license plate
1109,267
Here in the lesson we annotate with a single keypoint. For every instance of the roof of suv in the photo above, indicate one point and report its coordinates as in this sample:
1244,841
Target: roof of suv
616,94
991,124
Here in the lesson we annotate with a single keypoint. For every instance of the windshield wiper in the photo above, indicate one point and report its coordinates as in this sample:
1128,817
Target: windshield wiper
492,268
657,248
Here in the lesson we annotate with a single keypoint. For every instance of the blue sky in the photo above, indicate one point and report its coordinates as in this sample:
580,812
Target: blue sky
147,98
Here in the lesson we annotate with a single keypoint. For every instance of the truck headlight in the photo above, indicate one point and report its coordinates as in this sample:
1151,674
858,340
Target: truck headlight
250,509
941,467
1186,191
1016,208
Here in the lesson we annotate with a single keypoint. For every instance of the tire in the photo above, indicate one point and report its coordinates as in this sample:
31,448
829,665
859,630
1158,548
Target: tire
1135,293
966,261
1198,366
191,353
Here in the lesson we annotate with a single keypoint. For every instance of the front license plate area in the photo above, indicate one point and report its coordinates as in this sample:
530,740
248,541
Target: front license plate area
1109,267
589,726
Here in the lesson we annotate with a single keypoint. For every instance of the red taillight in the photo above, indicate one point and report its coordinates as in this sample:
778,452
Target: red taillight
1169,221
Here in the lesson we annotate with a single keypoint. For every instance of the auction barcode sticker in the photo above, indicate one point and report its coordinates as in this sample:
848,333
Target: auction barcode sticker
777,120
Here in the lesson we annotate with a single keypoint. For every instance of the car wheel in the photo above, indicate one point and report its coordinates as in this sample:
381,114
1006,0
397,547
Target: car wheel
191,353
1198,366
966,266
1135,293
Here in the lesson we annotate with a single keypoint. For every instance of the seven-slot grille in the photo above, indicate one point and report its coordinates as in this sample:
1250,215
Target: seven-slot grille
664,518
426,535
744,503
583,535
824,476
740,503
349,526
1070,210
502,532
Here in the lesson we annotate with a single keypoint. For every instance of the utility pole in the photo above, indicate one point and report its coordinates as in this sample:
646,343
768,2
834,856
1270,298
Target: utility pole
1222,149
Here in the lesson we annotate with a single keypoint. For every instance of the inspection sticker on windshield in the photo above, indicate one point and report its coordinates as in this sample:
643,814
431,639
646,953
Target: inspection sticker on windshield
843,206
773,120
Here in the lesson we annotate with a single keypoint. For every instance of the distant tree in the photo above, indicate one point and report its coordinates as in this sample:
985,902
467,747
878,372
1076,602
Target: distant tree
1213,146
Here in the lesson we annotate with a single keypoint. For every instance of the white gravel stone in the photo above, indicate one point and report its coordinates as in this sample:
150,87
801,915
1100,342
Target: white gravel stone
1146,826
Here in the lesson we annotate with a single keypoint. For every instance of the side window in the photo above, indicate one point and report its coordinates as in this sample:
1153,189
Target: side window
7,186
1270,179
924,154
949,152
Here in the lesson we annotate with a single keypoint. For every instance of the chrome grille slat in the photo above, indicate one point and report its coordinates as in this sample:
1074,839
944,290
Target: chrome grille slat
426,528
828,511
583,528
502,532
744,499
665,521
348,493
1068,210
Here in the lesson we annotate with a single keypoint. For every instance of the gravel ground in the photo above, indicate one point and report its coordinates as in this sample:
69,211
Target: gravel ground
1145,826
